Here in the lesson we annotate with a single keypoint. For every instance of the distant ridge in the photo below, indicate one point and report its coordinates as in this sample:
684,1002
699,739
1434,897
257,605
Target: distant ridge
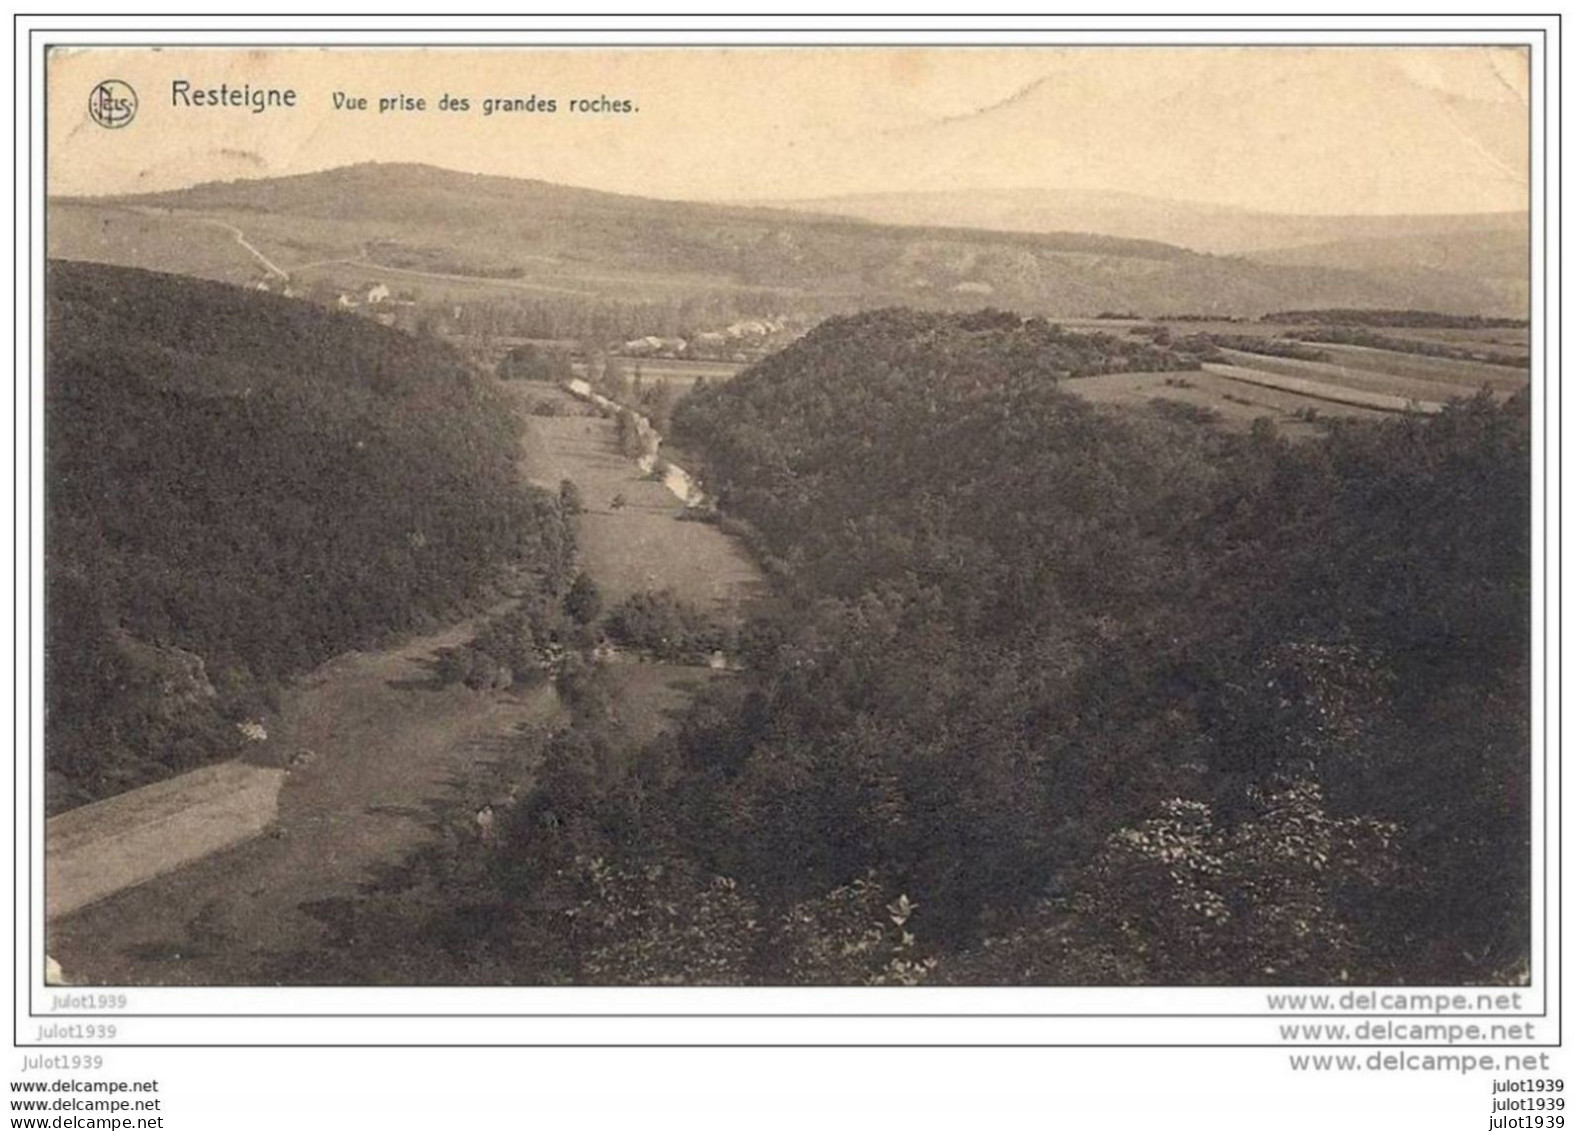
1215,229
583,241
342,192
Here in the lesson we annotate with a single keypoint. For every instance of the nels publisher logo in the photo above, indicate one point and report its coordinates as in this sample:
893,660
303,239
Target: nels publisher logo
112,104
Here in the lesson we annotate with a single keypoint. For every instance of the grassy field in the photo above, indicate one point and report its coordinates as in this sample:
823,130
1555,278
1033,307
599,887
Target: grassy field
1324,392
1237,403
344,254
641,545
95,850
647,697
1354,381
1467,376
679,372
352,273
1370,379
1501,339
1509,339
128,238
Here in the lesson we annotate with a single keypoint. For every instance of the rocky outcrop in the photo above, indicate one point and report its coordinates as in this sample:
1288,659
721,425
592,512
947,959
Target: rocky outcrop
171,680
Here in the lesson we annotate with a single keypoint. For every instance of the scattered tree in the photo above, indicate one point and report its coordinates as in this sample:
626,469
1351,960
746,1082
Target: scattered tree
583,602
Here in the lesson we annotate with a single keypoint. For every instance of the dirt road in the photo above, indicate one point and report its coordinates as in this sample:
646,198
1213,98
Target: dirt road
382,741
240,237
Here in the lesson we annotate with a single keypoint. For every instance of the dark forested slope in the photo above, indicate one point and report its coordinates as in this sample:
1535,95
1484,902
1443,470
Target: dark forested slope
903,445
1032,630
1059,695
237,487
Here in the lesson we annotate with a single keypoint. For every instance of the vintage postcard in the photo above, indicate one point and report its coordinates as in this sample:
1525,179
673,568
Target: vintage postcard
926,517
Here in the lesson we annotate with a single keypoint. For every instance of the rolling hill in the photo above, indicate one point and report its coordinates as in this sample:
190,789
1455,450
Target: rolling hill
1213,228
432,224
1415,251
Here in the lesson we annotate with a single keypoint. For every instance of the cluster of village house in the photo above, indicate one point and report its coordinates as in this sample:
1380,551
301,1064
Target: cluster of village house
730,343
739,341
378,301
370,294
375,298
374,295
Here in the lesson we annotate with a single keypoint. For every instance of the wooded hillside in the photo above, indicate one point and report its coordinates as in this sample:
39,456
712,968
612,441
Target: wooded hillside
240,486
1062,695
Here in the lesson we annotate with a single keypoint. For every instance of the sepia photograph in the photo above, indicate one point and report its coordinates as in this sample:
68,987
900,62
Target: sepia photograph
922,517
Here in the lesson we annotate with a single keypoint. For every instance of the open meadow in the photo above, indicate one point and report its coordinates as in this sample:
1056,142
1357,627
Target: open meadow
639,544
1350,381
1387,373
128,237
678,374
1225,402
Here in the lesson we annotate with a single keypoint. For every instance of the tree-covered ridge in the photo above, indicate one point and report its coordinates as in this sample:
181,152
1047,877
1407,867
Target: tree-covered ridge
254,484
1358,335
629,249
1399,318
897,444
1046,623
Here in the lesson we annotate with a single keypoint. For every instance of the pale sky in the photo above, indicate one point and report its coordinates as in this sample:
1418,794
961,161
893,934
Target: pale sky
1324,130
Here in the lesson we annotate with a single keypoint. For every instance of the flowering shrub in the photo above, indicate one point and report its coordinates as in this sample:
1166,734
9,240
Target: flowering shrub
852,936
1190,898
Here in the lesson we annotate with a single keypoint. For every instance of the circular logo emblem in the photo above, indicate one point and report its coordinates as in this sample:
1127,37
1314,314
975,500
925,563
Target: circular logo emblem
112,104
